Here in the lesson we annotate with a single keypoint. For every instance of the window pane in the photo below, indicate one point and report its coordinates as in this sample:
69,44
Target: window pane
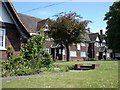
73,53
1,44
1,32
48,50
82,44
1,39
83,54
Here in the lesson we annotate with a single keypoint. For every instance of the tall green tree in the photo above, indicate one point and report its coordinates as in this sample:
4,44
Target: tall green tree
67,29
113,26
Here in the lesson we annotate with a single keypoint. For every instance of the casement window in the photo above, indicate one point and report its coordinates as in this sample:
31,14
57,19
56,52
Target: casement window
83,54
2,37
97,44
73,54
48,50
82,44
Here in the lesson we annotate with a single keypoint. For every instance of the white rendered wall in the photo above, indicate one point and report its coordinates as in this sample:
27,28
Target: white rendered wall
4,16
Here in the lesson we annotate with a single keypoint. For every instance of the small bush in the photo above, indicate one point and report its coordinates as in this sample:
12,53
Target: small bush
10,52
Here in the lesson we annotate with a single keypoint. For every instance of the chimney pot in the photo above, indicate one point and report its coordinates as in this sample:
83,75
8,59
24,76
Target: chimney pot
101,32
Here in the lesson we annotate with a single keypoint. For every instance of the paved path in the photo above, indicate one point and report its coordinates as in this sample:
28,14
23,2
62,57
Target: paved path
27,76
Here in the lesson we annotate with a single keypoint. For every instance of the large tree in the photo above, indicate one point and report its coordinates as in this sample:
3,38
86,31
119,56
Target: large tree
113,26
67,29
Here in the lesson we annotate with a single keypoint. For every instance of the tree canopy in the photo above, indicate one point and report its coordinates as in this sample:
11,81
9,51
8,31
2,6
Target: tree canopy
67,29
113,26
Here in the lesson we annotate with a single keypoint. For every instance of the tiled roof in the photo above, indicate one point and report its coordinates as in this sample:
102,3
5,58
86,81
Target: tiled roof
93,36
18,23
86,37
30,22
49,44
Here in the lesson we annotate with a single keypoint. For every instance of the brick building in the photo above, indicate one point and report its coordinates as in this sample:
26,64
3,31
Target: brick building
12,30
16,28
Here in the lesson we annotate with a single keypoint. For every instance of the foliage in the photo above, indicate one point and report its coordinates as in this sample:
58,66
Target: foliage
34,52
32,58
113,26
10,52
16,62
67,29
106,76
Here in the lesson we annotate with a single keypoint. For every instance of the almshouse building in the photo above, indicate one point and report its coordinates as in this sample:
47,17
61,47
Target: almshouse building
17,28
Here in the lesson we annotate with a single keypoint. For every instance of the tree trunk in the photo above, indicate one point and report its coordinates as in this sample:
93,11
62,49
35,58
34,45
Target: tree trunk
67,53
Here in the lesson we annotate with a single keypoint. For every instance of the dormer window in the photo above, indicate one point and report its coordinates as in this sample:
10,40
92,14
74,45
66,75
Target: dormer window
97,44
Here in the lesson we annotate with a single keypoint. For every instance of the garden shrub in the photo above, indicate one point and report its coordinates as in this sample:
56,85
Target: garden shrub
34,52
32,58
10,52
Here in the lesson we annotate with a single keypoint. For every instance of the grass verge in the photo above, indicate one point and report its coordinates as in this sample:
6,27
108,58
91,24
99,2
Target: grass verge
106,76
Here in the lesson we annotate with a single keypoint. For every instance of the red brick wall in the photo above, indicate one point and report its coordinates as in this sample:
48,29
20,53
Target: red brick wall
12,40
3,55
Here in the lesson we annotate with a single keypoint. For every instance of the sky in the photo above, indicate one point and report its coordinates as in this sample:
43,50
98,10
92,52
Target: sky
94,11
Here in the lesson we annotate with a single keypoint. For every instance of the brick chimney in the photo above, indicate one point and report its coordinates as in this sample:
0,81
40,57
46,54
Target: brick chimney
101,32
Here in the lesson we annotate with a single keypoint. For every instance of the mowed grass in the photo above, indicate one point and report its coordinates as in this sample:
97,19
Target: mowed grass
106,76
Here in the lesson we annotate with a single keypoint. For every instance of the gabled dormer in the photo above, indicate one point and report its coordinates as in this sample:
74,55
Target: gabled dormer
9,15
12,29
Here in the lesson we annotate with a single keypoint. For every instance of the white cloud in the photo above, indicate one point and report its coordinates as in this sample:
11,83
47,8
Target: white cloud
98,30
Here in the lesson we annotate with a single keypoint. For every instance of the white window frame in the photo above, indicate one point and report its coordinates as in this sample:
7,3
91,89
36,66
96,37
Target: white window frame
73,53
48,50
4,34
97,44
82,44
83,54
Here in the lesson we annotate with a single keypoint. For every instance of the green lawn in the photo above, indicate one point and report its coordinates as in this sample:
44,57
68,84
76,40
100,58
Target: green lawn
106,76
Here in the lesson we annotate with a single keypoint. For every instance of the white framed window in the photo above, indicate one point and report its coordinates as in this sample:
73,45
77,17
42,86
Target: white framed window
2,37
73,54
97,44
97,54
82,44
48,50
83,54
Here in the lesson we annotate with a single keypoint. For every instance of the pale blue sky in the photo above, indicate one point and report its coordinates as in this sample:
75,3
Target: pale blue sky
93,11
